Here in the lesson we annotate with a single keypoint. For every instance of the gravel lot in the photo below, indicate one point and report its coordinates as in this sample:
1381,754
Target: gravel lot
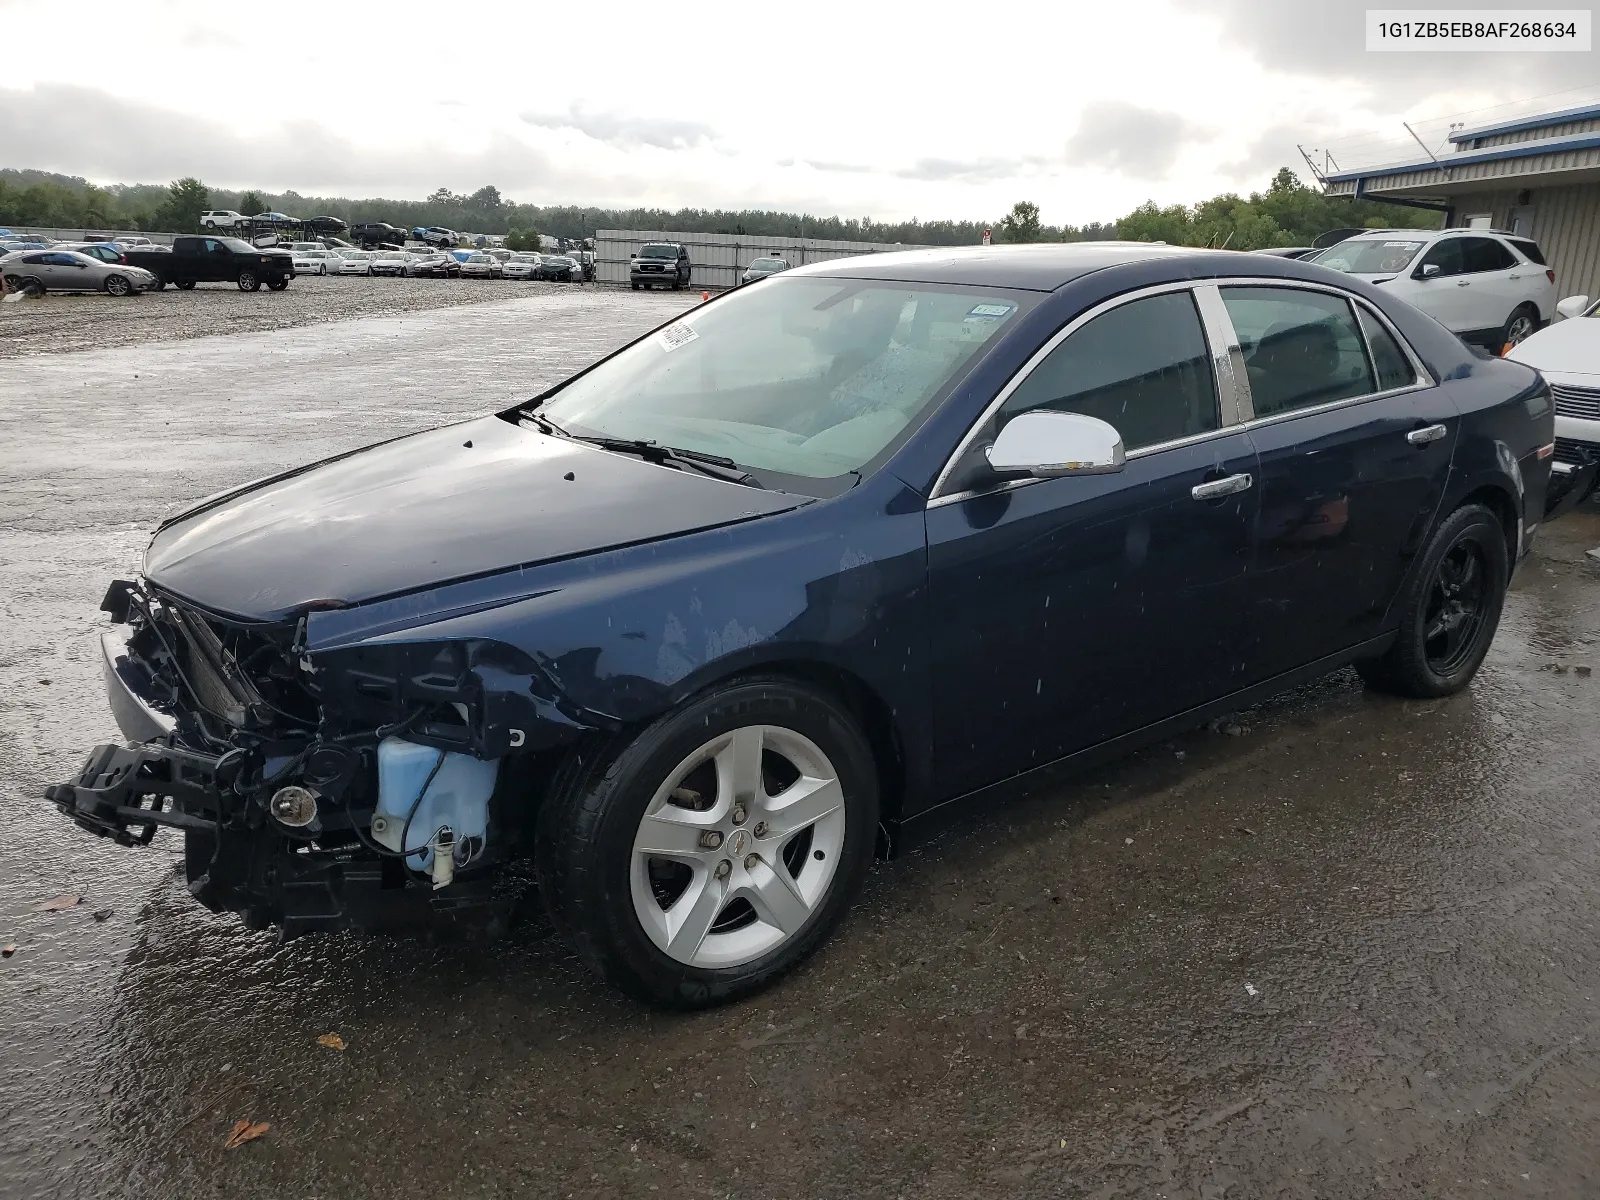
67,321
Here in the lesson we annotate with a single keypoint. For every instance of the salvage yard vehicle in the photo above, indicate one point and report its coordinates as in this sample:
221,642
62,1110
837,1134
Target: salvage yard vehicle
195,260
316,261
760,268
481,266
524,264
354,262
40,271
1567,354
814,565
222,218
370,235
391,262
665,263
1489,287
434,266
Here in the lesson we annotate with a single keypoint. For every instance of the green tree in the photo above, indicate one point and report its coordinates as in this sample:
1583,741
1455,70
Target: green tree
522,239
251,203
1021,224
189,198
486,199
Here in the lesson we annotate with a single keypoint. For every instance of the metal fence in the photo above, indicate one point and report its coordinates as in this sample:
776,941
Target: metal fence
717,260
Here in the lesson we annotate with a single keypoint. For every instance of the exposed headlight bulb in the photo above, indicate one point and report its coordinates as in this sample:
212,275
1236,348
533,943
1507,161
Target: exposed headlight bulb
293,806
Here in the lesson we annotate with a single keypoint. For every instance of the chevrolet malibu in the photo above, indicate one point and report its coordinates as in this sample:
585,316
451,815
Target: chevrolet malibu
795,576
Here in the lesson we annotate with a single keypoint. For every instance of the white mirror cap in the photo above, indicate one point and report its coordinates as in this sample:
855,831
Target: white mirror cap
1573,306
1049,444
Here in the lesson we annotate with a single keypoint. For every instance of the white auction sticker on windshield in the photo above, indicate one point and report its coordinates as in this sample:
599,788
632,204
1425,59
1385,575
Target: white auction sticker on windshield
674,336
992,311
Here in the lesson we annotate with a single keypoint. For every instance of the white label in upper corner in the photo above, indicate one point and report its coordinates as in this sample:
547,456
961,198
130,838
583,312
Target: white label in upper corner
674,336
1510,29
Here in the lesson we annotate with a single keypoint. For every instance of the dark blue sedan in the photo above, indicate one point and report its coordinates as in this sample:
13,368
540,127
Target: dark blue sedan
793,577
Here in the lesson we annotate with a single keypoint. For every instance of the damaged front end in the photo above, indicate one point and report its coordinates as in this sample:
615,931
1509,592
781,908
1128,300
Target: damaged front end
367,788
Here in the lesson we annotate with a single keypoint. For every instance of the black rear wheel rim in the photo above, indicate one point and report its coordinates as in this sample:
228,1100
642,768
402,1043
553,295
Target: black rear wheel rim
1457,608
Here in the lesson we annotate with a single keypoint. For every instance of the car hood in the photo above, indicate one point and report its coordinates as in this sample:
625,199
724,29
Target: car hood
464,500
1569,347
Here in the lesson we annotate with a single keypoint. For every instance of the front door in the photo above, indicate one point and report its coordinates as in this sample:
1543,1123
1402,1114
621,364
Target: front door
1499,282
1355,445
1446,297
1067,611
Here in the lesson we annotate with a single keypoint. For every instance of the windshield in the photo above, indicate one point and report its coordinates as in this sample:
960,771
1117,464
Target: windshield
527,258
768,264
394,256
479,258
658,252
1361,256
812,378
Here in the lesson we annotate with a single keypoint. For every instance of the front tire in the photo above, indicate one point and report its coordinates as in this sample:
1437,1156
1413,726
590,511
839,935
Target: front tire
1450,611
248,282
706,857
117,285
186,285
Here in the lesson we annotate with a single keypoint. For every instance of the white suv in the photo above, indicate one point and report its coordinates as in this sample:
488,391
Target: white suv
1482,284
222,218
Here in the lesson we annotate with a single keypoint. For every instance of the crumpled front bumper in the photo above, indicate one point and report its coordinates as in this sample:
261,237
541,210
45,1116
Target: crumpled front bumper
126,793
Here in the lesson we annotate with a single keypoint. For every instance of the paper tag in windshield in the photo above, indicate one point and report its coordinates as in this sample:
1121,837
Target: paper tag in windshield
991,312
674,336
1397,245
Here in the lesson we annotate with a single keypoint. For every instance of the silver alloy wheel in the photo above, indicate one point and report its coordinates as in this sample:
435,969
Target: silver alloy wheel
1520,328
722,878
116,285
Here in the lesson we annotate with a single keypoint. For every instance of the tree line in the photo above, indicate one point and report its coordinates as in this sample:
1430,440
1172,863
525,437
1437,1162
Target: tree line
1288,213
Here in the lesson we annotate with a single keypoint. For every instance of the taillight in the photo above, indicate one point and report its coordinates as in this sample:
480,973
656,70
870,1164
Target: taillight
1550,275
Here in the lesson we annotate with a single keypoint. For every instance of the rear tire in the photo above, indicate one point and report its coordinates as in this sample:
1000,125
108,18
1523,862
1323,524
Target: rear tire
1522,324
1450,611
185,285
700,924
29,286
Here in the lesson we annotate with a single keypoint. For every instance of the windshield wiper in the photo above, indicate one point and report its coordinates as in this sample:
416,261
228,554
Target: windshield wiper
544,423
714,465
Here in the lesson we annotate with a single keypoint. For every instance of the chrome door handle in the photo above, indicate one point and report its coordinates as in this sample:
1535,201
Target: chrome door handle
1217,488
1513,276
1463,283
1428,433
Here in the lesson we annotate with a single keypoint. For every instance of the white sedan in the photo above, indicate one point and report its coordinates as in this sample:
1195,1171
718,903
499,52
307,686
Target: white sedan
1567,354
353,262
317,262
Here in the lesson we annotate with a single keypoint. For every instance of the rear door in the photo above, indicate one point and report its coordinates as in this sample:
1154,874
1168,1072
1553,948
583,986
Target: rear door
1355,441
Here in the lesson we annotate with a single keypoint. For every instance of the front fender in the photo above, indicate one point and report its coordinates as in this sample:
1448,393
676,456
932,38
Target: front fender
620,637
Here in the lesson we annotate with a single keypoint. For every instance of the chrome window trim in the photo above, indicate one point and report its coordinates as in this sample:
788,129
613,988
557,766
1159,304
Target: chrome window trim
1420,377
1223,341
939,497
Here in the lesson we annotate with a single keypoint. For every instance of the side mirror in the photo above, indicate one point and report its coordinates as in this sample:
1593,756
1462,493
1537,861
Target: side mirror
1573,306
1047,445
1426,271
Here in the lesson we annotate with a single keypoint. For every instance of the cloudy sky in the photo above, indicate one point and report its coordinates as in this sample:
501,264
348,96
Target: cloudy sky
860,109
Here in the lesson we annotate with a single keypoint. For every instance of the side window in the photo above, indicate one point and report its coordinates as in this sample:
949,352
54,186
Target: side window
1301,348
1530,251
1446,255
1142,367
1394,369
1486,254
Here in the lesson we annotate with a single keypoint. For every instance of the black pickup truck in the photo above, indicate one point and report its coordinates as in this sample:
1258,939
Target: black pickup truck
195,260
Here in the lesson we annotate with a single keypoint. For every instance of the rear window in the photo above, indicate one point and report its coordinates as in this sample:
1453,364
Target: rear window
1529,250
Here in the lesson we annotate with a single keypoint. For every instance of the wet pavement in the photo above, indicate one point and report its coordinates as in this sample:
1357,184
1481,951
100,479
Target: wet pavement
1347,948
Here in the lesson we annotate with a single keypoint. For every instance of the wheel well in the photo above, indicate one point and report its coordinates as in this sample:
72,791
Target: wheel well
1500,504
877,723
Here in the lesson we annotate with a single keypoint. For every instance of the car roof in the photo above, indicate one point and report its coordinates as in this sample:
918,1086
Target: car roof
1041,267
